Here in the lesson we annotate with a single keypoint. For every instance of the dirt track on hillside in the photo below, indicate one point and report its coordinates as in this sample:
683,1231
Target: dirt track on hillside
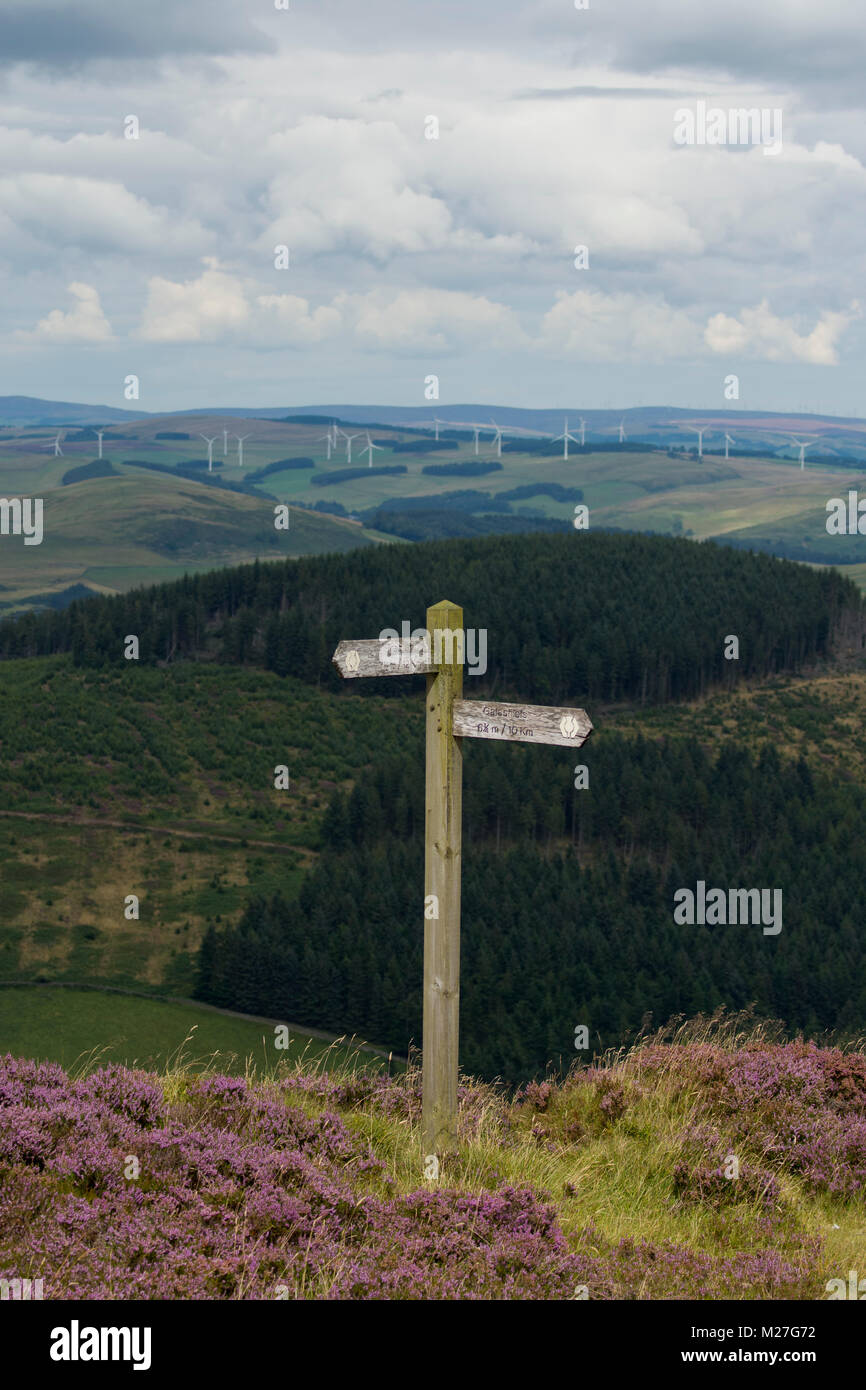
86,823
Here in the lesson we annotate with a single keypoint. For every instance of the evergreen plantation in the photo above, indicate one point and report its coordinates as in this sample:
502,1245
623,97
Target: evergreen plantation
567,893
567,902
569,617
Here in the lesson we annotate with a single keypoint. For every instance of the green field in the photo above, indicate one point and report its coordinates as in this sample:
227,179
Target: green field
114,533
142,527
82,1029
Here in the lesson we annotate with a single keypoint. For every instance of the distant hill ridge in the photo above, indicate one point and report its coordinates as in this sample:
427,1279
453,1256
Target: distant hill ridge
34,410
602,616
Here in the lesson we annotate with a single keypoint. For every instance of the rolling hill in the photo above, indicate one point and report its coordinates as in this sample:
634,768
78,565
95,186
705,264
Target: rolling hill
111,533
764,501
656,422
32,410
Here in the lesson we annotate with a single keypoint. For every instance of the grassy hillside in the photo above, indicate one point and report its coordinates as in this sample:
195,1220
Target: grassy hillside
642,491
803,536
821,717
115,537
717,1164
83,1030
112,533
160,784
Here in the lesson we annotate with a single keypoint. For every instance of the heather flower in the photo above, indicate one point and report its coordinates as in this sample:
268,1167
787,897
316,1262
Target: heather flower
240,1187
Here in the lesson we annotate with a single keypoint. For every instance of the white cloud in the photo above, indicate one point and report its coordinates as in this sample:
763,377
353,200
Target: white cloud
92,214
349,183
762,334
549,176
429,320
293,321
617,327
205,309
84,323
831,154
645,328
218,305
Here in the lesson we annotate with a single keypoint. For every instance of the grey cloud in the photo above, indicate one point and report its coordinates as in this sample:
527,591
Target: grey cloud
819,47
598,93
53,36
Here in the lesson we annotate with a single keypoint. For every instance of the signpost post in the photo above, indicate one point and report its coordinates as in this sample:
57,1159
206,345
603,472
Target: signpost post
450,718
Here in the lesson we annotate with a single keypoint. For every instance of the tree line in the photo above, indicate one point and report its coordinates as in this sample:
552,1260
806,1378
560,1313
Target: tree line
574,616
568,899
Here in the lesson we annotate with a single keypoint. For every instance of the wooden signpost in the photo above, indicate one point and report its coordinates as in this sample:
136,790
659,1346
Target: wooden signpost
450,718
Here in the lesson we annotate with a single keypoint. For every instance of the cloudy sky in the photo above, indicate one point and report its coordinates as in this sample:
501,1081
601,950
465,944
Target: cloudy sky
408,256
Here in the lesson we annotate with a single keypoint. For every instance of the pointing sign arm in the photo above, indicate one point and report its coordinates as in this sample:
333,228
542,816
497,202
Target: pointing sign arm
370,657
568,728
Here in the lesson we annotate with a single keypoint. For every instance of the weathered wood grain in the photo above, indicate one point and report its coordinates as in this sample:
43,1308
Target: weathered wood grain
365,658
568,728
442,875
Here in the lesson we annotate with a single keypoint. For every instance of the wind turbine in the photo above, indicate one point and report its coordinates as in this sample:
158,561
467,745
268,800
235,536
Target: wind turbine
565,436
622,432
582,432
497,438
240,438
476,429
348,438
368,449
326,439
58,452
700,433
728,440
225,443
802,445
210,443
334,432
99,434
